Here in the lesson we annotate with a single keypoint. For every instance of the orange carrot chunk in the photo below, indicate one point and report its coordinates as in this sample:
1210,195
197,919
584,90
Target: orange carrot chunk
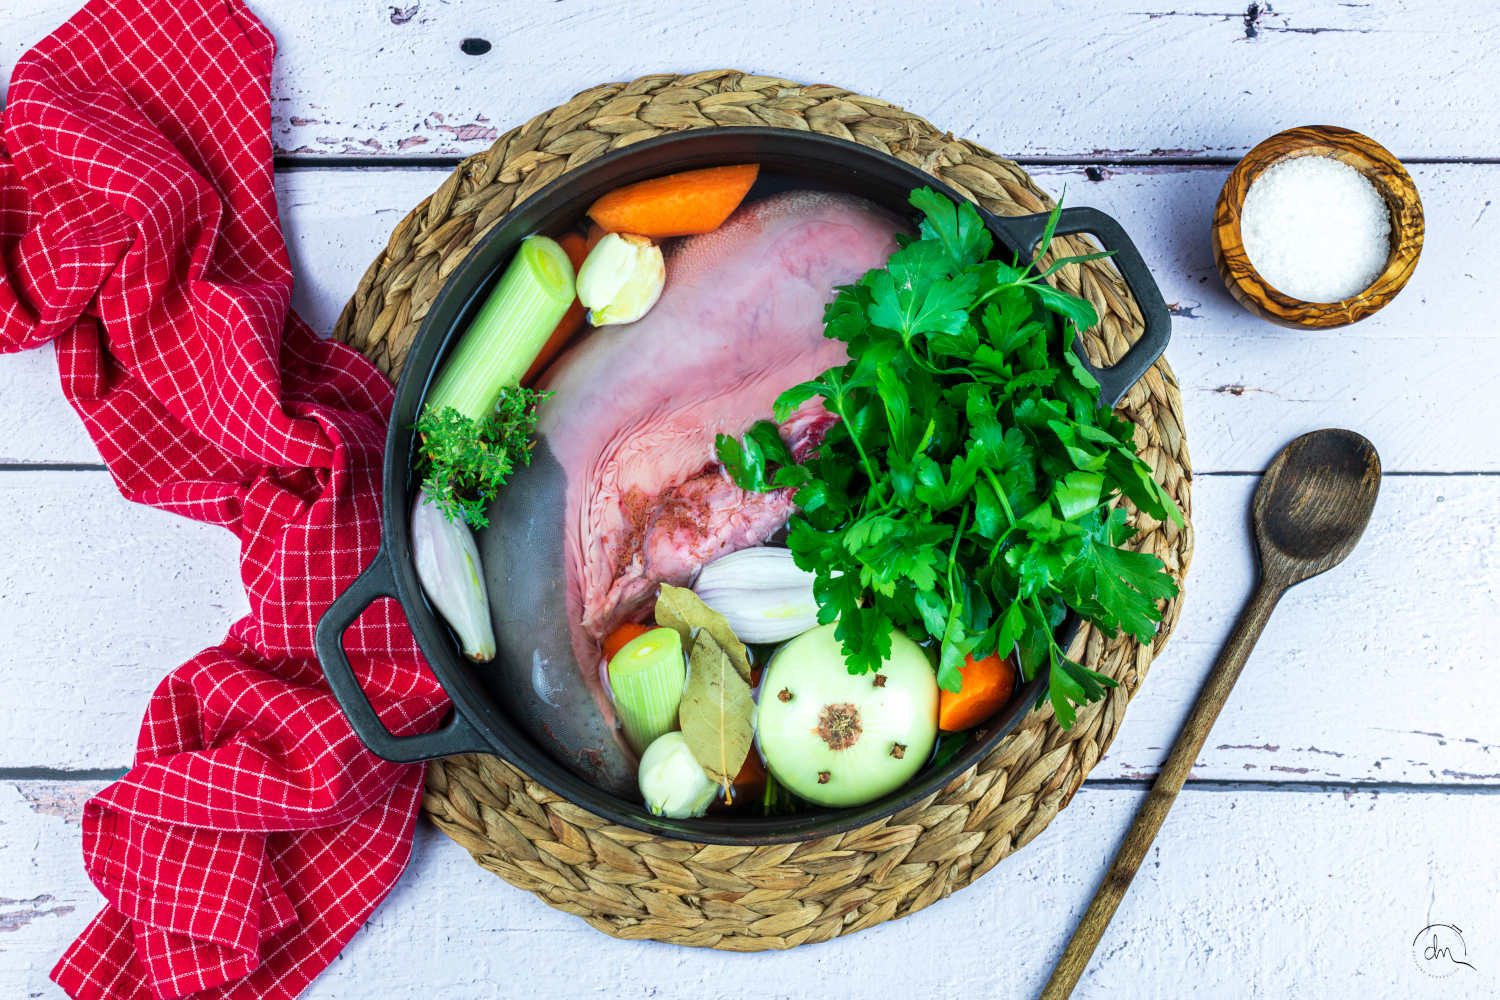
684,204
750,784
987,686
577,248
620,636
595,234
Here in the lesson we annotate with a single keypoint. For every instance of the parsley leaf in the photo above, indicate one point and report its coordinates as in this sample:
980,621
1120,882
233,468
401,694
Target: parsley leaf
750,462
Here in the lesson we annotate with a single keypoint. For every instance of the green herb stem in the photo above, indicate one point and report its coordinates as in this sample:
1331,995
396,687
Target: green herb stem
877,485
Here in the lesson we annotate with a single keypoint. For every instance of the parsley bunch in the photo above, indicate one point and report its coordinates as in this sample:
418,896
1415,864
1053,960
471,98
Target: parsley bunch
966,493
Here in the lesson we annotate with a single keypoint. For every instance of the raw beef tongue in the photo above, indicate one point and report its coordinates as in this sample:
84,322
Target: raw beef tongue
624,492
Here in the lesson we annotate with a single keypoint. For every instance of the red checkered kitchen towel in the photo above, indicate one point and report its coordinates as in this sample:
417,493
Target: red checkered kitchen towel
138,232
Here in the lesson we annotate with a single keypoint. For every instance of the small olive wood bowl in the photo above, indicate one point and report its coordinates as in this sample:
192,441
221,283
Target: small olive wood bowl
1363,154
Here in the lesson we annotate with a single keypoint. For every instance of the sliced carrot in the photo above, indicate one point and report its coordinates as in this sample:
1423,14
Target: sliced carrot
685,204
750,784
577,248
620,636
595,234
987,686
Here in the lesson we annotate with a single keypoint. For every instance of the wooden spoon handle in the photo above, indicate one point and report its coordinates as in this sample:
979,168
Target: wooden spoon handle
1226,670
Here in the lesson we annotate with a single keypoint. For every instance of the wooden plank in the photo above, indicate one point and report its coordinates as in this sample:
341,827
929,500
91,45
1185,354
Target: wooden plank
46,898
39,425
99,598
1414,378
1371,673
1362,674
356,78
1411,377
1243,895
336,222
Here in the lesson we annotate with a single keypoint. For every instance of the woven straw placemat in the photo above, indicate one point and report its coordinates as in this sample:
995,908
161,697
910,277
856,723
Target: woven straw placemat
633,885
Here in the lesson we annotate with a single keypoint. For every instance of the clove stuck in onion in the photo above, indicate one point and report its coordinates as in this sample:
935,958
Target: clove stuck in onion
447,561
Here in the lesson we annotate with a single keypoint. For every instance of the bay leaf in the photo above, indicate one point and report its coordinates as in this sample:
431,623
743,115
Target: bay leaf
680,609
717,712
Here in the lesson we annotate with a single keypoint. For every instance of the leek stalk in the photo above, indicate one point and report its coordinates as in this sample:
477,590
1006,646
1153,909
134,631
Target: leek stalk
647,676
509,332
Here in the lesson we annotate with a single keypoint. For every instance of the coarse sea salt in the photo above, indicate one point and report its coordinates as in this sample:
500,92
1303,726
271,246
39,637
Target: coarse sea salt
1316,229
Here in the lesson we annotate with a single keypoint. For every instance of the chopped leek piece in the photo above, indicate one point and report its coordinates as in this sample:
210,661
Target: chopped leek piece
647,676
509,331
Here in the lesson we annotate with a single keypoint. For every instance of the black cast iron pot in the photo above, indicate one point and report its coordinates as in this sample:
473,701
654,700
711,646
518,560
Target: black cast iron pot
479,723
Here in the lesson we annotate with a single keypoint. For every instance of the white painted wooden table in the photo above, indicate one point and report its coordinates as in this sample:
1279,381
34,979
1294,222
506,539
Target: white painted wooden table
1348,796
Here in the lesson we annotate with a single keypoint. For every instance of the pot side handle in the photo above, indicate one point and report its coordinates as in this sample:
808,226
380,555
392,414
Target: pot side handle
458,736
1116,380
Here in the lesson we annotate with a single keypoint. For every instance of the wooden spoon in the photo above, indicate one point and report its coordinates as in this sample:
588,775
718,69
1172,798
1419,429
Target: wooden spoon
1310,509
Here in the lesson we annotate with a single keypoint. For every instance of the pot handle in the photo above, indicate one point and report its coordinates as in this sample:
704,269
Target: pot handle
1117,379
458,736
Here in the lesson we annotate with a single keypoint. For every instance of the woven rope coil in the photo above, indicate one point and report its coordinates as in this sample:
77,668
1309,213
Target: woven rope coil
634,885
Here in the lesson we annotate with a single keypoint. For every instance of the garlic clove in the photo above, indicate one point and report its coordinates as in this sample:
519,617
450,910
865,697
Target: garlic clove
447,562
672,782
621,279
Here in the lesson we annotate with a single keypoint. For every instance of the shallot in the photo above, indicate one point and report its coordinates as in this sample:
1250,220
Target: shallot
761,592
447,562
